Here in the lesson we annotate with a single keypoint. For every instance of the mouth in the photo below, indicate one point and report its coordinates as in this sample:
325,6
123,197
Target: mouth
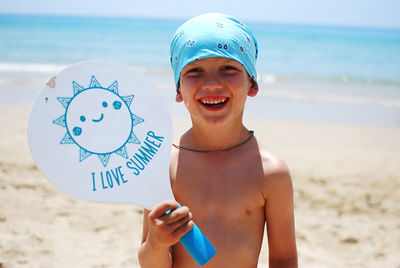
214,103
98,120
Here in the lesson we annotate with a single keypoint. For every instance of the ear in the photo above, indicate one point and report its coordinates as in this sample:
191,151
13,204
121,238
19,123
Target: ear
253,90
178,97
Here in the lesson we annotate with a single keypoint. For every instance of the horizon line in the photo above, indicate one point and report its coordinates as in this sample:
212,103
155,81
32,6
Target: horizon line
182,19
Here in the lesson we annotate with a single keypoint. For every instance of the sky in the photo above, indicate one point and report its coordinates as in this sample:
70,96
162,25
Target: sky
366,13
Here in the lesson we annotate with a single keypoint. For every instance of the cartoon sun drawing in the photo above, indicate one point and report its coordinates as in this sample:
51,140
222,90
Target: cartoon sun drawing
98,120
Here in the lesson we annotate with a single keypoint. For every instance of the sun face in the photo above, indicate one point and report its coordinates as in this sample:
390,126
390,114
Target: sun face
103,112
98,120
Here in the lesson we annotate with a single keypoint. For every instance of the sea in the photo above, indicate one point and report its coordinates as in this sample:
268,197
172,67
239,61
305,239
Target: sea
338,74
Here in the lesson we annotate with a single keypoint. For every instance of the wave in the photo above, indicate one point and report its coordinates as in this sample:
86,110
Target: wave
27,73
51,68
393,102
269,78
40,68
15,68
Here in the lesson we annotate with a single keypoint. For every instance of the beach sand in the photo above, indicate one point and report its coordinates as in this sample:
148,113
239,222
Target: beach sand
347,201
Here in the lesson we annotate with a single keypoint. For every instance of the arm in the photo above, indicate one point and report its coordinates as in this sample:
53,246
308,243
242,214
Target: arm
161,232
279,213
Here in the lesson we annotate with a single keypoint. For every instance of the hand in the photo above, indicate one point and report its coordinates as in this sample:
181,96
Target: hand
165,230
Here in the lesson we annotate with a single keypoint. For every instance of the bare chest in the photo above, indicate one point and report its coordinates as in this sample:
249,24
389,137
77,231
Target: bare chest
229,186
225,198
224,195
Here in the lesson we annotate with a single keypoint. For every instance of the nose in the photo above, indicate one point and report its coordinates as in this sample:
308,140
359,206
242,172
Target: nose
212,82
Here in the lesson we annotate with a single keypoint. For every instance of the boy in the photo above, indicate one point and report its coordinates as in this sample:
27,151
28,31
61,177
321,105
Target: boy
227,182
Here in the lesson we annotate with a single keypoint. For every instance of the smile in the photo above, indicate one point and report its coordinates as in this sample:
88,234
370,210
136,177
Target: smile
214,103
98,120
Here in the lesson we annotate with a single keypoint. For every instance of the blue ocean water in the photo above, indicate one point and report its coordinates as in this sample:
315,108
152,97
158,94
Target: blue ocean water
317,73
286,51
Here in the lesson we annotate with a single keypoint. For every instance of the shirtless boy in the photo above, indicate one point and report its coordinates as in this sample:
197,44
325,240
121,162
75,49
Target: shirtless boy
225,179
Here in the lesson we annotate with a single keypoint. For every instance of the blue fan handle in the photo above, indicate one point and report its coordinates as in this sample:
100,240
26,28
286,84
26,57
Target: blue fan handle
197,244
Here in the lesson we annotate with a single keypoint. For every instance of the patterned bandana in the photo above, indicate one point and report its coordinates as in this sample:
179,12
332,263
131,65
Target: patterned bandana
213,35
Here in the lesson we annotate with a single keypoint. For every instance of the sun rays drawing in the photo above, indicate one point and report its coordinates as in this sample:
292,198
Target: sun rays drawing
98,120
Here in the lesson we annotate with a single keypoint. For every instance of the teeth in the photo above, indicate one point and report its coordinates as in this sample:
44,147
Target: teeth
213,101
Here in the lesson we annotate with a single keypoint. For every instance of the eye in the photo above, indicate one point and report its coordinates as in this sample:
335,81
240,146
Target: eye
194,70
104,104
228,68
77,131
82,118
117,105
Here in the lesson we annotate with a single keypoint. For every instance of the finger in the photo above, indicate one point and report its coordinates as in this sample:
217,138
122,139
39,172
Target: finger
177,224
182,230
175,215
162,208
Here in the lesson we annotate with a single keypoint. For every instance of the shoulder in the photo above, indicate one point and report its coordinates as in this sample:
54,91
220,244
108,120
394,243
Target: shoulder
276,174
175,150
173,164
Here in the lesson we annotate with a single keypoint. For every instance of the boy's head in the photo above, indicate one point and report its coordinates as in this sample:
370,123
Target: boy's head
213,35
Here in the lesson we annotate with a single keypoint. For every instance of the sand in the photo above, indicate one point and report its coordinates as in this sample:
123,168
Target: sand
347,202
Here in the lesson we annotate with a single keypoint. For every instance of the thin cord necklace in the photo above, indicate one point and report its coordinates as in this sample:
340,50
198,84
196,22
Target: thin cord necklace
218,150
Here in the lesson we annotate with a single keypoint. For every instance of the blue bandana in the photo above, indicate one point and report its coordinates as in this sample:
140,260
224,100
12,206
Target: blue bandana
213,35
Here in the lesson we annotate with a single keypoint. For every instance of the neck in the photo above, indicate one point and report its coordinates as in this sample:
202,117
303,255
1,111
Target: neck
214,137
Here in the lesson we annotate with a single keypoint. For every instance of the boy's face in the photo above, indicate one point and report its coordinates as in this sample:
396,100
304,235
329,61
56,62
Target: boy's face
215,89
